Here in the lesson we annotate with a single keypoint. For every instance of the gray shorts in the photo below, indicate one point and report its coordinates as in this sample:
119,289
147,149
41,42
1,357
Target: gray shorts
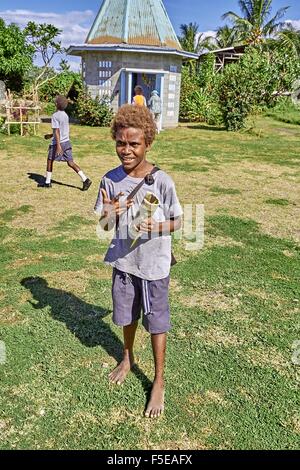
67,155
131,295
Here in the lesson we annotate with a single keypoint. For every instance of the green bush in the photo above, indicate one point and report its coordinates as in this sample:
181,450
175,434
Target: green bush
66,83
256,81
49,108
93,112
198,101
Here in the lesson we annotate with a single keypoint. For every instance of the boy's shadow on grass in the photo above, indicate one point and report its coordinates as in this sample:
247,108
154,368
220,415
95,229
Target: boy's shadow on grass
40,179
84,320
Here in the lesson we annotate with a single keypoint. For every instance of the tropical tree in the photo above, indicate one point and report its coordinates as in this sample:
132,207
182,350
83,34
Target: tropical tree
256,23
43,40
15,56
226,37
192,40
289,38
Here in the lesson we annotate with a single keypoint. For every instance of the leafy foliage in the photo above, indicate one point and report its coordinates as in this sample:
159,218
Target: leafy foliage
199,102
15,56
289,38
66,83
255,82
93,112
193,41
42,37
227,37
255,24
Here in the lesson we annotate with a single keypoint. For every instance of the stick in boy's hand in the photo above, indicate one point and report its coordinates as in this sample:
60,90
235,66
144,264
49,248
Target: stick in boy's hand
48,136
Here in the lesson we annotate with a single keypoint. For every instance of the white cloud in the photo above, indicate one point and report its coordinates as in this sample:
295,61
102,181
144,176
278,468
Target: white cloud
75,25
209,33
294,23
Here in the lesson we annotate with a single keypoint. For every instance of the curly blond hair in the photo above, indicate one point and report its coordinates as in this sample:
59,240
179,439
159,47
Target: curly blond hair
138,117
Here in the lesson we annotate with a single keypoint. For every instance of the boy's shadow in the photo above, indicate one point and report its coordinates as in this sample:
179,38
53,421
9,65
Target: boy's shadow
84,320
40,179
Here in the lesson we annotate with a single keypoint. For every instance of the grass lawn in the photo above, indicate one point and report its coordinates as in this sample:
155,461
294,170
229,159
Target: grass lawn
231,381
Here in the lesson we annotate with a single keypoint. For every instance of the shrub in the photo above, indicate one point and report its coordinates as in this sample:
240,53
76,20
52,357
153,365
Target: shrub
49,108
255,82
93,112
66,83
199,101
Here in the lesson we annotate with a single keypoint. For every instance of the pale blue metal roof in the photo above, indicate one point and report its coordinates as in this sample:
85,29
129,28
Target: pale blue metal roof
133,22
79,49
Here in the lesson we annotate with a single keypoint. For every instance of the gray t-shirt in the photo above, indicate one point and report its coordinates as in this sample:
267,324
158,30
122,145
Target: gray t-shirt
60,120
148,259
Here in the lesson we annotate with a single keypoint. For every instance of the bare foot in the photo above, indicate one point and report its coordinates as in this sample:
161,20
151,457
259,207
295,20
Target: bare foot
155,406
118,375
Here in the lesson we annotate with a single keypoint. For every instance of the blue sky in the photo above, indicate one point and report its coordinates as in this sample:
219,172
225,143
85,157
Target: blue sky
75,17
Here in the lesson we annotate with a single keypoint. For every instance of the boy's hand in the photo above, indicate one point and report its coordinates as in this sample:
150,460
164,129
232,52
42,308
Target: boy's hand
59,151
113,207
148,226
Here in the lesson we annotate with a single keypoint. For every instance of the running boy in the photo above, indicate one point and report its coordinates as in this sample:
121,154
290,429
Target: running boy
140,269
60,149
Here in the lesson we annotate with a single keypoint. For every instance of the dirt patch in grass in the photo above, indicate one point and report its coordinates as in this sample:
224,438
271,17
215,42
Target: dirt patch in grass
210,300
185,443
25,261
73,281
208,397
295,424
175,285
217,336
77,281
211,241
269,357
289,254
10,316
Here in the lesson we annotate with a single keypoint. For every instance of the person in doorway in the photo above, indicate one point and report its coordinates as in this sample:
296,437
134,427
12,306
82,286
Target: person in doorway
60,149
155,109
139,99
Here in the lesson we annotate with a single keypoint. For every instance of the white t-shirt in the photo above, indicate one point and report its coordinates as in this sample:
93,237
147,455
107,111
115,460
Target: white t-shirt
149,259
60,120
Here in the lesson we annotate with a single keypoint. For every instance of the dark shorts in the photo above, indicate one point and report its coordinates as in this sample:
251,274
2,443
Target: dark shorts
131,295
67,155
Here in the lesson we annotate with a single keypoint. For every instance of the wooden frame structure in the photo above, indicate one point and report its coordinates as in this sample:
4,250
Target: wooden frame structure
20,112
225,56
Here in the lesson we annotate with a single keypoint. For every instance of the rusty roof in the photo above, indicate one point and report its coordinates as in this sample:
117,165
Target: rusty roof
133,22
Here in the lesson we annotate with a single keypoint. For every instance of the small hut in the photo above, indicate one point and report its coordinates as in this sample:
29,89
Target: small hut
132,42
225,56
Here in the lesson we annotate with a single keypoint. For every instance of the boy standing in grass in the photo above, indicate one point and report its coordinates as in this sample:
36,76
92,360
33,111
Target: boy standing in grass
141,269
60,149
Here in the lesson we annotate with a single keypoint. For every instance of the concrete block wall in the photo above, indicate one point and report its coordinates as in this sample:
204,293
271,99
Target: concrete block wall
171,65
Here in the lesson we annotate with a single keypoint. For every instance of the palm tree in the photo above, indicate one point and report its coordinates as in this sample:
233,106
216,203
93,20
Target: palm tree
226,37
255,25
289,37
193,41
